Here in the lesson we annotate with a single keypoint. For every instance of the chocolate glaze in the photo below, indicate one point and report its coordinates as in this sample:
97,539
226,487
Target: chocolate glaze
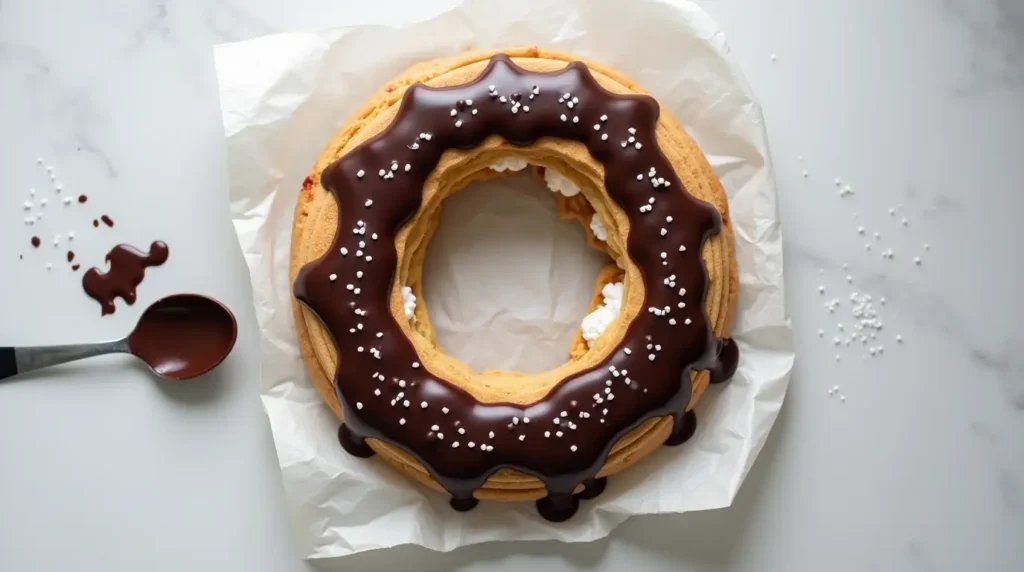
127,269
728,359
590,410
184,335
107,221
36,241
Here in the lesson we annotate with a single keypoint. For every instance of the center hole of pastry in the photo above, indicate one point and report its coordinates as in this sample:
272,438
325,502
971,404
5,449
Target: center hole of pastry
507,283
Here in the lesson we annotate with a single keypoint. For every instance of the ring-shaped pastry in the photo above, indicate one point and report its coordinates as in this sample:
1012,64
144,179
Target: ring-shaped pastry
623,167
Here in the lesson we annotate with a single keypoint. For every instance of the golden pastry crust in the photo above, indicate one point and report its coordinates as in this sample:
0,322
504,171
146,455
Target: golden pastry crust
316,223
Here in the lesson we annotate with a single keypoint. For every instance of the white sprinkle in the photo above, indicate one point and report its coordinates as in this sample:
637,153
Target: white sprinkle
663,232
333,277
455,445
664,255
627,351
473,111
522,437
344,251
359,273
562,117
444,410
638,145
547,433
503,99
604,137
526,109
377,392
682,248
651,357
406,403
369,259
573,448
459,122
687,321
597,127
359,349
454,113
382,172
415,365
360,173
426,136
462,431
575,119
374,236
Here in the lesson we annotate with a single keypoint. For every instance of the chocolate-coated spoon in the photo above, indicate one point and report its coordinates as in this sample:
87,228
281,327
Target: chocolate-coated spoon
179,337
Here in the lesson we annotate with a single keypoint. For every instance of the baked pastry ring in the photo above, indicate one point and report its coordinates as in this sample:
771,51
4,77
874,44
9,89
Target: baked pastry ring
623,167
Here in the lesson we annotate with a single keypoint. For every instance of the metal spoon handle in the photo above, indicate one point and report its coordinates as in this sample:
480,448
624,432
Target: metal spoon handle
20,360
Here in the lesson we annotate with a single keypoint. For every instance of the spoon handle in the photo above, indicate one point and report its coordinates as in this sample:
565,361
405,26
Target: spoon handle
20,360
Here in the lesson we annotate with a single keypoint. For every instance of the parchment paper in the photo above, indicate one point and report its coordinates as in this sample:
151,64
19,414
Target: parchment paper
283,96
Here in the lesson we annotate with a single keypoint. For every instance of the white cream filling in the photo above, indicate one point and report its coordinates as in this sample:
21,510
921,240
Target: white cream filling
597,321
597,228
558,183
509,164
408,302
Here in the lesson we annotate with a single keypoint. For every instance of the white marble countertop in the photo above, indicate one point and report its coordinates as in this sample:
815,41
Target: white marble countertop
917,105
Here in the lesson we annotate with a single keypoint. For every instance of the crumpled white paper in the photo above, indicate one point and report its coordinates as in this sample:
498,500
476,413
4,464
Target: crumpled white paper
283,96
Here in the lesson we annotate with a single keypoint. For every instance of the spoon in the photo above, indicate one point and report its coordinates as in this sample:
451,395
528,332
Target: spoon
178,337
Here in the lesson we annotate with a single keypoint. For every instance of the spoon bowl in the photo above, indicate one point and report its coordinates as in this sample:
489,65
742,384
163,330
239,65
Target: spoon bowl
183,336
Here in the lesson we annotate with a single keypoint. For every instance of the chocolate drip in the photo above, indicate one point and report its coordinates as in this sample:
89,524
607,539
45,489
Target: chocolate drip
36,242
558,507
106,220
563,439
127,269
71,255
464,504
682,429
728,358
353,444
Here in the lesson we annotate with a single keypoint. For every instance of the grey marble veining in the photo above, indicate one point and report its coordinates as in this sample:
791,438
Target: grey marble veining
917,105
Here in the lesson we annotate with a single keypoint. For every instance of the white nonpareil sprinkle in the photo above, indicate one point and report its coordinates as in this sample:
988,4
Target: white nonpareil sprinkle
359,273
462,431
573,448
382,172
664,255
688,321
369,259
604,137
444,410
547,433
440,436
454,113
459,122
668,219
491,434
344,251
651,357
368,203
350,287
562,117
663,232
522,437
360,173
415,364
435,428
423,405
455,445
377,392
627,351
333,277
671,321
